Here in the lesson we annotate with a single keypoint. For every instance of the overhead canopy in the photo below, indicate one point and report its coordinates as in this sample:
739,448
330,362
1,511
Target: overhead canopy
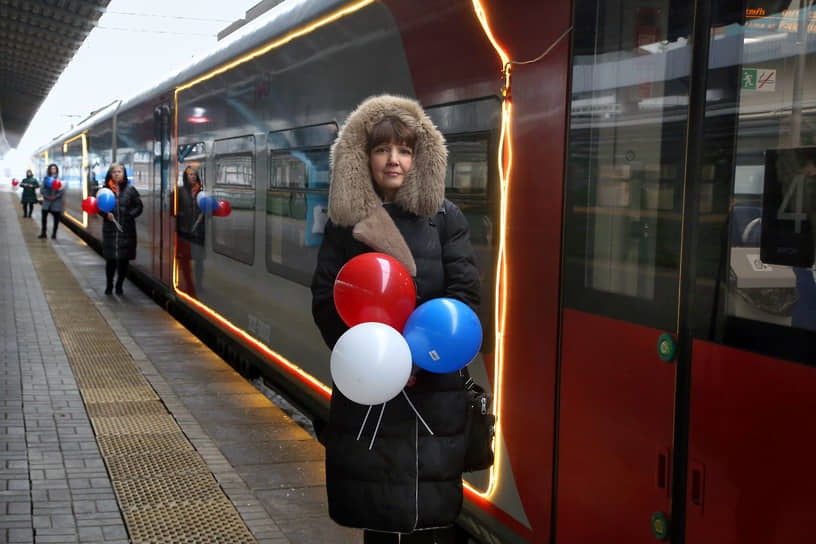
38,38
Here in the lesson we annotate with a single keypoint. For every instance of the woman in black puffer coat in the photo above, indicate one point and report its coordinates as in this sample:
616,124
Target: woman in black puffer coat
387,195
119,227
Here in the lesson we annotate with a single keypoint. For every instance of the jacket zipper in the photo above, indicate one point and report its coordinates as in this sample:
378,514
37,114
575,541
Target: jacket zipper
416,473
116,234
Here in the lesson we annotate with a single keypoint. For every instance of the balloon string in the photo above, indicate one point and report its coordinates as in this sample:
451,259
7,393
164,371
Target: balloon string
417,412
377,428
364,422
118,226
197,221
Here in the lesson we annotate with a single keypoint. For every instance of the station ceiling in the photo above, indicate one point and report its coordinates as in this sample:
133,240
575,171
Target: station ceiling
38,38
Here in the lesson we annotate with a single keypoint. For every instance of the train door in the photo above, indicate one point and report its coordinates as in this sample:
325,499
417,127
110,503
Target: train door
752,386
681,346
160,227
623,226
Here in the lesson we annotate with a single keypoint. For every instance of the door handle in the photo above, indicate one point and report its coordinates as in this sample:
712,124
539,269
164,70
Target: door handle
664,470
696,486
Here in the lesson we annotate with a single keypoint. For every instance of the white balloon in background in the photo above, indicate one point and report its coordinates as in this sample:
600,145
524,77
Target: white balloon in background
371,363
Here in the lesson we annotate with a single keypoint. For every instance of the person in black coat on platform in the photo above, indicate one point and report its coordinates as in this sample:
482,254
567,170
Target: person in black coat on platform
387,195
119,227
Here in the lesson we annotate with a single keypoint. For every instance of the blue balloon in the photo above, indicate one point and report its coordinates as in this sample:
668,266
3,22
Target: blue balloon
208,204
105,200
48,181
444,335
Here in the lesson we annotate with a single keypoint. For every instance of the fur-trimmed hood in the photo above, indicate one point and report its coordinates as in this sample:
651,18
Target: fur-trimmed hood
353,202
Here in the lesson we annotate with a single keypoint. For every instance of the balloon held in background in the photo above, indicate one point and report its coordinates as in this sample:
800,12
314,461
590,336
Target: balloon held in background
89,206
105,200
223,209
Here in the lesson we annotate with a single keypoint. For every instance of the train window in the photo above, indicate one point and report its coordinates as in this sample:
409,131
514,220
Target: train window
625,165
467,165
297,199
234,235
769,274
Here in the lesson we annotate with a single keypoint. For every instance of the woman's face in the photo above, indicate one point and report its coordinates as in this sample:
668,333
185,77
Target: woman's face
117,174
389,164
29,173
52,170
191,175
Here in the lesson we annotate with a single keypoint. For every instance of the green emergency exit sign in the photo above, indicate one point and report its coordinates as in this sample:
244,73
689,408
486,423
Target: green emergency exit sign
749,79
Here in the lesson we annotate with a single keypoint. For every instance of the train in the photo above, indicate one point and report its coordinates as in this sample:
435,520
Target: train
648,337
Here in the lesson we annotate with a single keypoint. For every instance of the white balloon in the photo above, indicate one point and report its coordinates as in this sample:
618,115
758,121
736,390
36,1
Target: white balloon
200,195
104,191
371,363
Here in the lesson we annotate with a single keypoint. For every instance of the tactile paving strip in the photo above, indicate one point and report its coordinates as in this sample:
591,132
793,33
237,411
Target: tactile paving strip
157,463
117,409
124,425
118,394
168,489
144,443
195,517
164,488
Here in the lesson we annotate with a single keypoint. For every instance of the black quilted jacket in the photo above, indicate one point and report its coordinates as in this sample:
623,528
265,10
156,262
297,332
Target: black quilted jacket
410,479
122,245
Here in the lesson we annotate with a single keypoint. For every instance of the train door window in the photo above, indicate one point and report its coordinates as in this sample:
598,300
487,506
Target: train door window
234,235
625,166
297,199
142,165
768,276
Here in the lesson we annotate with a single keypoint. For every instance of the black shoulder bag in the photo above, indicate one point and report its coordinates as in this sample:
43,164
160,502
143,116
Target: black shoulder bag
480,427
480,424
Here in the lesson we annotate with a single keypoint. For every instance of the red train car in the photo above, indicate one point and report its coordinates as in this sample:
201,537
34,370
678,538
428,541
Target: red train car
639,179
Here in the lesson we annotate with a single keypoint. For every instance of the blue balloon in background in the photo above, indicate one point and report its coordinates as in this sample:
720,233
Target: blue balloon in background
208,204
444,335
105,200
48,181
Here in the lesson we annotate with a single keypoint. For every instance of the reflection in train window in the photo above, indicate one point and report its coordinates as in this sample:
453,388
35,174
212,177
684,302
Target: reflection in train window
625,166
467,165
772,224
467,185
190,222
236,170
234,235
296,211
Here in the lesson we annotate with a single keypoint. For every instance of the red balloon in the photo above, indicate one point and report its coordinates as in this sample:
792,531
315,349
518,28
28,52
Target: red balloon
89,205
15,182
223,209
56,184
374,287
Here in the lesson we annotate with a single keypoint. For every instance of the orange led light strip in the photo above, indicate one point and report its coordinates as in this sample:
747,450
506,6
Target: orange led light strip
307,378
82,176
277,43
505,157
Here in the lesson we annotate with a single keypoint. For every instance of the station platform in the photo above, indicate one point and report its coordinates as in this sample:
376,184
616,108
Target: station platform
118,425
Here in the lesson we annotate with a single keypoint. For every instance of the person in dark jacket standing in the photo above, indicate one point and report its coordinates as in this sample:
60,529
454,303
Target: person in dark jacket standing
119,227
52,201
29,196
387,195
190,231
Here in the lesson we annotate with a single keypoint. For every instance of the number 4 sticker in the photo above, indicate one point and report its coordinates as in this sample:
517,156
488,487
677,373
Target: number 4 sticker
796,191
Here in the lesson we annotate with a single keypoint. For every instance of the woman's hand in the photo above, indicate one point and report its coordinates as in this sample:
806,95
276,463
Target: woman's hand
109,216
